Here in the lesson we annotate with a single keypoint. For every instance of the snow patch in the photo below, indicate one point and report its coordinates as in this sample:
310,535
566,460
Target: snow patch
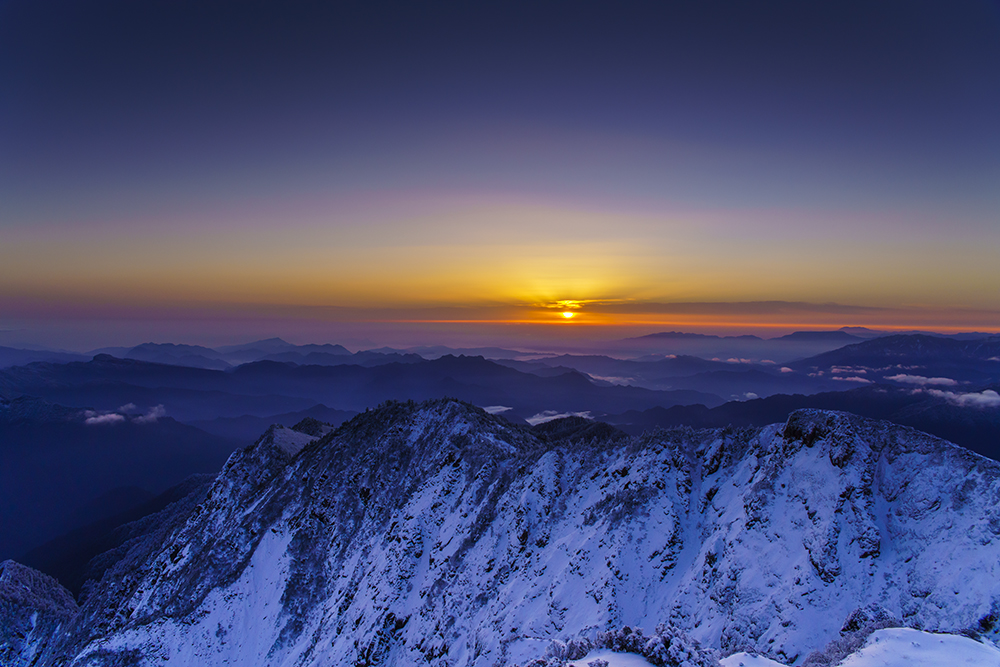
612,659
904,647
922,381
748,660
289,441
549,415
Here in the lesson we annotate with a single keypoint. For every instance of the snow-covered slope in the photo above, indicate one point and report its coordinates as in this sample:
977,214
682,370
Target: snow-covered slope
900,647
438,534
904,647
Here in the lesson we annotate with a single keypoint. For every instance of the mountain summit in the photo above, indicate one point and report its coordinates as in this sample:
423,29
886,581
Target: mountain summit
436,533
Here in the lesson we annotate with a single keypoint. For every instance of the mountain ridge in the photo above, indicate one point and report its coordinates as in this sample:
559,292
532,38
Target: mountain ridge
437,533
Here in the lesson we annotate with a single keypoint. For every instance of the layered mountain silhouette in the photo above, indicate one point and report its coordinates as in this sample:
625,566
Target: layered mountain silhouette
266,387
970,425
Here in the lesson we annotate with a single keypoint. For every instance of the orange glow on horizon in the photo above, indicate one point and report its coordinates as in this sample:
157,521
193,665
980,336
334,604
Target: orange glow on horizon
707,325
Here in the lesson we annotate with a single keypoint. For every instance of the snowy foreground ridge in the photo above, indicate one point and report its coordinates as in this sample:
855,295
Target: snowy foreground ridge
438,534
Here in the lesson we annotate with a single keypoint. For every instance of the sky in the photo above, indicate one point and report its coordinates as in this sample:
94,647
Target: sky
470,172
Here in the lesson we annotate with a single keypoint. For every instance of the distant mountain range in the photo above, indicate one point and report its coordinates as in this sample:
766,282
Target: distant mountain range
16,357
913,356
782,349
730,380
73,433
972,425
164,421
266,387
680,335
273,349
912,360
785,348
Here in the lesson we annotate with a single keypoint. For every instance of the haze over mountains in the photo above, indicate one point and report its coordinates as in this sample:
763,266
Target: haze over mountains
64,468
791,346
127,413
103,458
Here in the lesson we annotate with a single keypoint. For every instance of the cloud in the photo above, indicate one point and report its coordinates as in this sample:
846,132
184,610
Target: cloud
110,418
853,378
848,369
497,409
786,369
984,399
922,381
151,415
749,396
549,415
128,407
614,379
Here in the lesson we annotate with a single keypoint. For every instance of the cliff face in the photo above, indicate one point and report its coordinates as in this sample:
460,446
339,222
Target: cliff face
34,609
438,534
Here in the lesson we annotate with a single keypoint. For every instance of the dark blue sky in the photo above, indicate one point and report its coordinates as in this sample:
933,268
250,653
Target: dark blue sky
162,86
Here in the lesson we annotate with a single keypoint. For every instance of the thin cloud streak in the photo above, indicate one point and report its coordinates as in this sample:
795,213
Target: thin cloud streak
84,326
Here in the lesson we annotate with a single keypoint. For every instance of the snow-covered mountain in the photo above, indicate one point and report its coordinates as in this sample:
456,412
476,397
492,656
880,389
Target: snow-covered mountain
437,534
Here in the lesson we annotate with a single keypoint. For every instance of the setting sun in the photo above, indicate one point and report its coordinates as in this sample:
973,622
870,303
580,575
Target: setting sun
569,315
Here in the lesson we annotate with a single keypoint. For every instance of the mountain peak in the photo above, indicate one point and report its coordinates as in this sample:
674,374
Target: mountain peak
433,424
270,341
839,336
313,427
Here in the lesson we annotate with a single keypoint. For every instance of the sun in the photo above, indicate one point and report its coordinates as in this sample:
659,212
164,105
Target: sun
568,314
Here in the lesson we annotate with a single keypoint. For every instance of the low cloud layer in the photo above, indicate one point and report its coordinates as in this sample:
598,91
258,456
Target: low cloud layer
151,415
110,418
614,379
923,381
984,399
92,417
549,415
